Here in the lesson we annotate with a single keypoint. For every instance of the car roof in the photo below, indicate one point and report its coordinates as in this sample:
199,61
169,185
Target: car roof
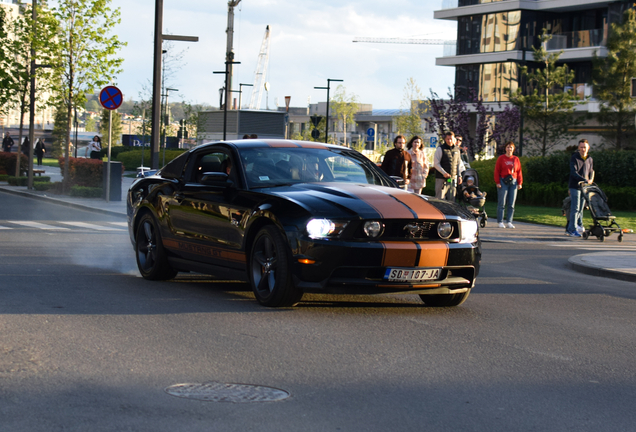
274,143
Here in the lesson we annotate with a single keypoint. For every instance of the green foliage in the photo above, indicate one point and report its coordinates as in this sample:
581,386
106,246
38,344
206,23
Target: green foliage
18,181
83,172
8,161
545,179
60,131
116,131
41,185
133,158
415,107
86,192
344,108
612,83
549,109
4,177
87,53
43,179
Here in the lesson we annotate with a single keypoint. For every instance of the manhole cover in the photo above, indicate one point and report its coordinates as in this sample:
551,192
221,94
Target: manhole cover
227,392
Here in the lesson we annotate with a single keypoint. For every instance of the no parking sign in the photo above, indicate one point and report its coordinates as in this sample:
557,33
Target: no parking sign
111,97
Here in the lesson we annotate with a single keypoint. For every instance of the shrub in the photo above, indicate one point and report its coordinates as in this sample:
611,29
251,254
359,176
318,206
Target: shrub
4,177
7,163
42,186
18,181
42,179
86,192
133,158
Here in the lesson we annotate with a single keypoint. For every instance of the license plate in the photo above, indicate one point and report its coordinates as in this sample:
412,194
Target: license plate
411,275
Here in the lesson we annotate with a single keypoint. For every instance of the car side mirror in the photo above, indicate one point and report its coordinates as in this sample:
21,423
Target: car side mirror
216,179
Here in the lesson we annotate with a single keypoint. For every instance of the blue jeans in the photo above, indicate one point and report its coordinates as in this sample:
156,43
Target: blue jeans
577,202
506,196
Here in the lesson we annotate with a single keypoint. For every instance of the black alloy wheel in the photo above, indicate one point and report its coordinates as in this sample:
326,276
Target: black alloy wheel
151,256
269,270
444,300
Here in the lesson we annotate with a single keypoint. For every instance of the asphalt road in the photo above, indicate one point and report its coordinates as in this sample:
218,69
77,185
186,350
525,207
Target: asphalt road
87,344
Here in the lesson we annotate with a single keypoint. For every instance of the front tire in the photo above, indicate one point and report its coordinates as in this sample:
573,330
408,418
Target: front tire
151,256
444,300
269,270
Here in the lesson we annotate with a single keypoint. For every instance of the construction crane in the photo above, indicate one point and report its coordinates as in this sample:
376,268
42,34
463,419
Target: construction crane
259,74
405,41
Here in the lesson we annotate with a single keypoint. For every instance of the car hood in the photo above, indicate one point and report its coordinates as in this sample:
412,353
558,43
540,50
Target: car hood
345,200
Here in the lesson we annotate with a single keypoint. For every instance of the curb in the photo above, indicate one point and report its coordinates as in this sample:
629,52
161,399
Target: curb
577,264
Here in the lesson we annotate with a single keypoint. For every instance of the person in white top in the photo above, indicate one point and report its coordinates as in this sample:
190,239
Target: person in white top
94,147
419,166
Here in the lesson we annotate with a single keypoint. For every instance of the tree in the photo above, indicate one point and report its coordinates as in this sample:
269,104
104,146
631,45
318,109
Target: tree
414,108
116,130
23,41
549,109
612,82
87,53
60,130
506,127
4,61
449,115
344,108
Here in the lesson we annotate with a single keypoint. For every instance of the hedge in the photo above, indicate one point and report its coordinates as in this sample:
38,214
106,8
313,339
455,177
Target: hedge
42,185
7,163
132,158
545,178
85,172
86,192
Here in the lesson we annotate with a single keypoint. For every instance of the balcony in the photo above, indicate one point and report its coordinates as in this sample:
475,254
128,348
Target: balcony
577,39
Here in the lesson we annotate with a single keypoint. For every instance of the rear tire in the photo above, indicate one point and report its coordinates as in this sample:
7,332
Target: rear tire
444,300
269,270
620,238
601,238
585,235
151,256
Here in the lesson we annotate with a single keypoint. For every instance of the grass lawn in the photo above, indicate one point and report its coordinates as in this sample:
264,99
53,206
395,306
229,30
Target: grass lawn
552,216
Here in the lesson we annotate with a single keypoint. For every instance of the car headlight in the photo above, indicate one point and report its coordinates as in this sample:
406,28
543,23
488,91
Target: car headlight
323,228
468,231
373,229
444,229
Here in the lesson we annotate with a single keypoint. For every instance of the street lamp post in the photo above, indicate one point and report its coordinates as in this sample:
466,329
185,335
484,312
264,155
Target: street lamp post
329,81
166,110
227,90
241,91
156,79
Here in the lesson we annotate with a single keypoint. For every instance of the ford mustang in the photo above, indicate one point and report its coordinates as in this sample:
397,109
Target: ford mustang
294,217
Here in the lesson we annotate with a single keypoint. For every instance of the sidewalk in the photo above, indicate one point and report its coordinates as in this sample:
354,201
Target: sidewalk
619,262
113,208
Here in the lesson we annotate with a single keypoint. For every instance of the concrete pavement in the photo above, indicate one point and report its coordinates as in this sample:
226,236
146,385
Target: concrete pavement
619,262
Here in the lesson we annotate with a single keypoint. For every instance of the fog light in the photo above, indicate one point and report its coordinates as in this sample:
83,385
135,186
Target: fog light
444,229
373,229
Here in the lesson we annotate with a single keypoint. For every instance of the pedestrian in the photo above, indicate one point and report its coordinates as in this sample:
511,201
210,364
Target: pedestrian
419,166
94,148
581,171
397,162
449,167
7,143
25,146
509,179
39,150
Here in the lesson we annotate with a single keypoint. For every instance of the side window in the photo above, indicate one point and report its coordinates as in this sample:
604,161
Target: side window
210,162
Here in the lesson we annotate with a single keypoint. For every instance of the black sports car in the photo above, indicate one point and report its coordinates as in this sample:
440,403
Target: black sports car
292,217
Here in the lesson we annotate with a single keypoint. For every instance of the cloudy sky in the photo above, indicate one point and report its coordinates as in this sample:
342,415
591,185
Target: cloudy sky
310,42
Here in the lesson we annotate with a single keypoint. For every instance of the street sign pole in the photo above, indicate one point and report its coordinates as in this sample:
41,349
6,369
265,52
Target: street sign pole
110,134
111,98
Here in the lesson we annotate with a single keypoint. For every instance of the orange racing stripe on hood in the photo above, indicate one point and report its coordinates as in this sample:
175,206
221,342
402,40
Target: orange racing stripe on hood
420,206
386,205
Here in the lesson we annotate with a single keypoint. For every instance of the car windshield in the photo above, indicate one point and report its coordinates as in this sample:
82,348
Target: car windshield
268,167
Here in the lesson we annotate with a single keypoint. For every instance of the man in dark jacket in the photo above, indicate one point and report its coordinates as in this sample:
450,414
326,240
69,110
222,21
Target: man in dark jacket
449,167
7,142
397,162
581,170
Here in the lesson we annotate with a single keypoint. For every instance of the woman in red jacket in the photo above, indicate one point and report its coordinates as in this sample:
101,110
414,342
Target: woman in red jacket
508,178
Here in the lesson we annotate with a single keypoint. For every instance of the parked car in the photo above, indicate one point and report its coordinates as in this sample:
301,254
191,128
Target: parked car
293,217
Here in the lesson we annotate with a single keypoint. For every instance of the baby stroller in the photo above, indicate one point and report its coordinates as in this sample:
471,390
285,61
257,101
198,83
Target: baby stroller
604,222
472,197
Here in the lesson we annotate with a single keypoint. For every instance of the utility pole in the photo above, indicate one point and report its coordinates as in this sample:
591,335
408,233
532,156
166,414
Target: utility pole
229,54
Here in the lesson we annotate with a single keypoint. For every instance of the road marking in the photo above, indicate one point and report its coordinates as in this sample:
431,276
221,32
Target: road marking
39,225
121,224
91,226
